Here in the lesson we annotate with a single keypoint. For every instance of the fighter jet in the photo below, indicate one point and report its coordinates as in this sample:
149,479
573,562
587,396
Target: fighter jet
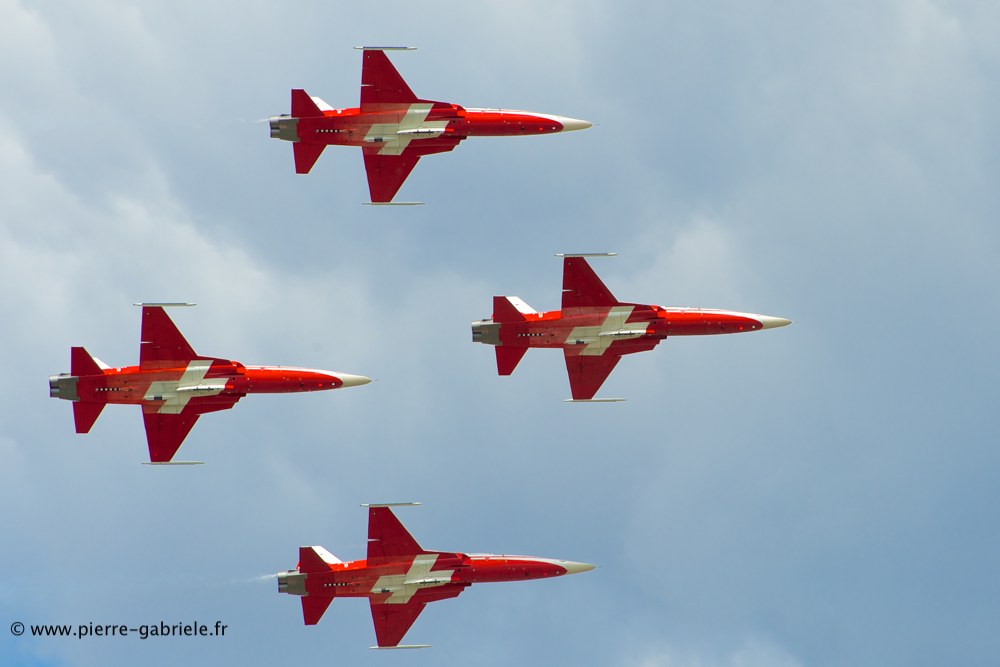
594,329
174,385
399,576
394,127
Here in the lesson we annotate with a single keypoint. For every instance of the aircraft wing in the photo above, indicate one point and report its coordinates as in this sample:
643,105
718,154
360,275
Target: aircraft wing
388,538
389,164
393,620
161,342
381,83
166,431
582,288
386,173
588,372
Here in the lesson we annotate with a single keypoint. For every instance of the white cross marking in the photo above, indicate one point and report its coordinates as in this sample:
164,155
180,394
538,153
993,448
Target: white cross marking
173,394
402,587
597,339
393,143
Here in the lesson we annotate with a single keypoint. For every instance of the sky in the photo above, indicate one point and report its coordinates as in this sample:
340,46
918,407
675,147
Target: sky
821,494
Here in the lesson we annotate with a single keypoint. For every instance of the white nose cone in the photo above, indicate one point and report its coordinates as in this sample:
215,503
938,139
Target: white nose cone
353,380
769,322
573,568
570,124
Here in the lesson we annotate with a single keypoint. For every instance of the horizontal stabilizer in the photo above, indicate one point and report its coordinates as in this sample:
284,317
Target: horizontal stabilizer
316,559
303,106
389,648
508,358
593,400
511,309
313,608
306,156
82,364
85,414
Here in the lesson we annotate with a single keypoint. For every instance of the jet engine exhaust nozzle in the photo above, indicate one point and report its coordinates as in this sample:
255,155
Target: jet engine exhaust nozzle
284,127
63,386
486,331
292,582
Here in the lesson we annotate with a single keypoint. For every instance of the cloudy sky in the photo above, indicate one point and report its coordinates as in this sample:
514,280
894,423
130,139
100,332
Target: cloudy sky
822,494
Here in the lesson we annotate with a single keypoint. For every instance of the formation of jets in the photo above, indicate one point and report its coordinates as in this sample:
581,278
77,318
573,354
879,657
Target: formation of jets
175,386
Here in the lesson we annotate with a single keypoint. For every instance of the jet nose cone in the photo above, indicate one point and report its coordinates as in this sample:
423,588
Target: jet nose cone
573,568
353,380
570,124
769,322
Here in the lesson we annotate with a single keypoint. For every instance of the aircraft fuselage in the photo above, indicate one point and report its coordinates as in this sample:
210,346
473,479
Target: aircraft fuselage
586,326
399,580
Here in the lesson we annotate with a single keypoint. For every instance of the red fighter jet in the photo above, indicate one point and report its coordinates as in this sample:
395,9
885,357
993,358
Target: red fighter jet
394,127
174,385
594,329
399,576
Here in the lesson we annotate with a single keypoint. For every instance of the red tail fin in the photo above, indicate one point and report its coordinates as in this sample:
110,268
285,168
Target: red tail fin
316,559
510,309
306,156
508,358
303,105
81,363
313,608
85,414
